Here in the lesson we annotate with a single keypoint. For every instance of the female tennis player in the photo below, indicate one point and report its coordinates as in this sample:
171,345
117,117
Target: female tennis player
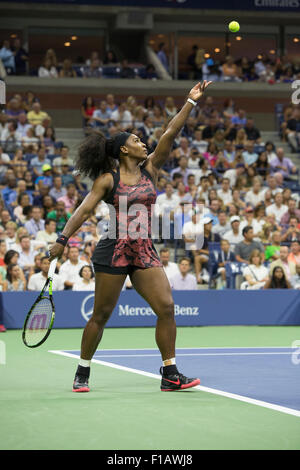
122,171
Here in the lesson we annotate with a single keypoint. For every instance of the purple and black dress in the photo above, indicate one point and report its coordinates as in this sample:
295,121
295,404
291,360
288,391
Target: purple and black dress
128,244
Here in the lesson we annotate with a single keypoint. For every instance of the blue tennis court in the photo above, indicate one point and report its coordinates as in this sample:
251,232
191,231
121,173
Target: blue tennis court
268,375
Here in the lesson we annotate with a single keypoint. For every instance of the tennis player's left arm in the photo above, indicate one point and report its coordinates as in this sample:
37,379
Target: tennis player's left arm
157,159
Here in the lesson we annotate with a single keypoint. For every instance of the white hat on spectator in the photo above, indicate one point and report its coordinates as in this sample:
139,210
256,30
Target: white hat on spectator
234,218
206,220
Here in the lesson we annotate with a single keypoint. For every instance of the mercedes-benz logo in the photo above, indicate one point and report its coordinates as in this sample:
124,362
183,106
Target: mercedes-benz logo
87,307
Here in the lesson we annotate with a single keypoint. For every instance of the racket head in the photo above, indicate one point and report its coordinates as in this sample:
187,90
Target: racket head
38,323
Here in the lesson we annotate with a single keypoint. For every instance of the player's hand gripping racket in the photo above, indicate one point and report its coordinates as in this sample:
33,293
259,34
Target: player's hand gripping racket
40,318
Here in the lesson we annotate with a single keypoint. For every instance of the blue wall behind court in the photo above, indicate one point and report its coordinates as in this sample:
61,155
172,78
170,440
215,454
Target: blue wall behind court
192,308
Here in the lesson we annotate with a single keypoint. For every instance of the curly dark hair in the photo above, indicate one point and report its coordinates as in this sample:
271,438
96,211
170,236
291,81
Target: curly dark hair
95,155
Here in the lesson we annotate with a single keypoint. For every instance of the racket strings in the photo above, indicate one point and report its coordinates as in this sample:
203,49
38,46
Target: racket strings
38,322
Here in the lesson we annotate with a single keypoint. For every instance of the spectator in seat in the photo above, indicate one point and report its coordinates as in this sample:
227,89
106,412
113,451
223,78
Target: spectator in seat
21,57
225,192
36,115
70,198
283,165
295,280
57,191
110,58
8,59
272,251
67,70
252,132
278,280
292,233
126,71
86,282
27,254
184,280
278,208
36,223
255,196
223,224
291,211
162,55
4,165
230,70
293,129
60,216
101,116
94,70
66,176
39,161
256,274
225,256
170,268
47,70
234,235
23,201
122,117
294,256
288,267
10,137
69,270
15,280
244,249
37,281
87,110
202,257
23,124
250,157
63,159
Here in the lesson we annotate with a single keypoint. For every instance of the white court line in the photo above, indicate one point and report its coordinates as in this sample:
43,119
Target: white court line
252,401
198,347
195,354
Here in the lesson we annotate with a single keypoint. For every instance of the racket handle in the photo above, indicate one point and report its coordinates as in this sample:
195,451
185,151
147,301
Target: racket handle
52,268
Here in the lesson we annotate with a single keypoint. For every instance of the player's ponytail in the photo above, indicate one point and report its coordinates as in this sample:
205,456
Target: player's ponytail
97,155
94,156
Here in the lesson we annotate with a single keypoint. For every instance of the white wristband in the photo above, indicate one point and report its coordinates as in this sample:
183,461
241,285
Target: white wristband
194,103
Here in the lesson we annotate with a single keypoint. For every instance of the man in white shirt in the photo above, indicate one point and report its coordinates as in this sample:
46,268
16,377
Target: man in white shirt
122,116
223,226
49,234
225,192
4,164
255,196
26,258
37,281
234,173
278,209
234,235
69,270
184,280
165,206
170,268
63,159
272,185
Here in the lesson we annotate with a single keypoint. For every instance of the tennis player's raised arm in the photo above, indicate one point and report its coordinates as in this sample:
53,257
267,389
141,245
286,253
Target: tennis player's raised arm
164,146
101,187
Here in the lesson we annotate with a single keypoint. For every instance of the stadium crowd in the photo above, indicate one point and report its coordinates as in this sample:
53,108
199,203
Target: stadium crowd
221,182
200,65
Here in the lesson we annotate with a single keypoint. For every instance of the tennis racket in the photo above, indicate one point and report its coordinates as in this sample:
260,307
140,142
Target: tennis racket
39,320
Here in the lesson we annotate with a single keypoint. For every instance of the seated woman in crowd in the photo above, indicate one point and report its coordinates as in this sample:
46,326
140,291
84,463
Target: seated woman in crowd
278,280
256,274
15,279
86,281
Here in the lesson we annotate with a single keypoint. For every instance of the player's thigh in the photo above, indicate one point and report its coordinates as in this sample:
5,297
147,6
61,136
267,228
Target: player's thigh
107,292
153,285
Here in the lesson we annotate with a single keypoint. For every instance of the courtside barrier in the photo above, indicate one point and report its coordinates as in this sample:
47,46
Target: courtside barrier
192,308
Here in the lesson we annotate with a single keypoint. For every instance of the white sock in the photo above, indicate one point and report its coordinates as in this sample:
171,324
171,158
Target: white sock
84,363
169,362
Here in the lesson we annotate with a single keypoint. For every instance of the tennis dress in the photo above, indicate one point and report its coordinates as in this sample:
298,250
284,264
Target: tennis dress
128,244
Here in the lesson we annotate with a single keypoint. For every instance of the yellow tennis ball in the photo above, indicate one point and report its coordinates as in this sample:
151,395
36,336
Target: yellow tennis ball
234,26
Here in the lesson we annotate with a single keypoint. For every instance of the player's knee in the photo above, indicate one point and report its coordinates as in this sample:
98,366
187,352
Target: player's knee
101,314
166,309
